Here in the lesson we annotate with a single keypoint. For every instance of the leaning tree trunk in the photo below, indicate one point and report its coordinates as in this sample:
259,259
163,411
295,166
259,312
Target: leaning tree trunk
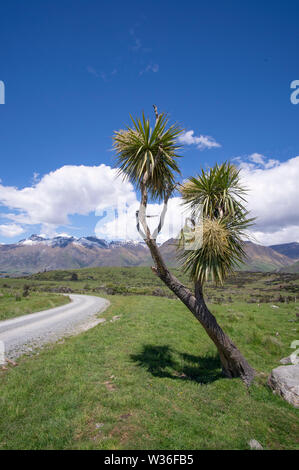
233,363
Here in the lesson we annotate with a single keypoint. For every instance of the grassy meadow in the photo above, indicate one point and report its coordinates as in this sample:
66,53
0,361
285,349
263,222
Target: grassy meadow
15,302
149,377
242,286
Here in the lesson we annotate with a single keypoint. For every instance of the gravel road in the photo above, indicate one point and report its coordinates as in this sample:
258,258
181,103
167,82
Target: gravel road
24,334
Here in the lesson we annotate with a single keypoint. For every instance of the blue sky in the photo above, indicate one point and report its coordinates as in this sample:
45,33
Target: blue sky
73,71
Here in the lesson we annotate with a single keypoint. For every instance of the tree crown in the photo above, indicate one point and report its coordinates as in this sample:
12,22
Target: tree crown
146,155
148,158
220,196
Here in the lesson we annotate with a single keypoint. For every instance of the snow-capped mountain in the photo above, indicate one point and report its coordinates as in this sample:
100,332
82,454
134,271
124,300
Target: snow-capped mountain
63,241
38,253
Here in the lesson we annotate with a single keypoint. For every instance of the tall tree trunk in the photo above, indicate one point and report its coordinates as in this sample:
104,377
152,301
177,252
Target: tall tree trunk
233,363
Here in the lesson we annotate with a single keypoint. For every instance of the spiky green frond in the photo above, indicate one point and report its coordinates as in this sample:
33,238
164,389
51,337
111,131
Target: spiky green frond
217,190
222,248
142,150
220,196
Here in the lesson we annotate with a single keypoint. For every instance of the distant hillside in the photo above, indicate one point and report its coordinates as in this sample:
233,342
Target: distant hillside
259,258
288,249
38,254
263,258
293,268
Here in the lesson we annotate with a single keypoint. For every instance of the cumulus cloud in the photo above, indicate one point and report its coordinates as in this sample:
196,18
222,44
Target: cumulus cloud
202,142
82,190
281,235
66,191
272,198
256,161
11,230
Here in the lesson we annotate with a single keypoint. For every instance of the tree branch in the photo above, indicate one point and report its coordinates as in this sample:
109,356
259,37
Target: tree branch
164,210
141,214
156,112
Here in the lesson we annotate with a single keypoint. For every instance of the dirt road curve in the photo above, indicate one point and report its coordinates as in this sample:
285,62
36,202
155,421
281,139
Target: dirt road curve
25,333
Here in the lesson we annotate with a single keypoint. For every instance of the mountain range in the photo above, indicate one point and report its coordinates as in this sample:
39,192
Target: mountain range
36,254
288,249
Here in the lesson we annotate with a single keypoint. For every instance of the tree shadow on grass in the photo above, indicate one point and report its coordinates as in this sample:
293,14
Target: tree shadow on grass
163,361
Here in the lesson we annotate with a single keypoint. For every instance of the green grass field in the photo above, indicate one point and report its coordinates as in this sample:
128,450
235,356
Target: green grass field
14,304
151,379
242,286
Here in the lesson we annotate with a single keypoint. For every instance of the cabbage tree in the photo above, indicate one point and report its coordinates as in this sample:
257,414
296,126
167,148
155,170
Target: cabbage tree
148,157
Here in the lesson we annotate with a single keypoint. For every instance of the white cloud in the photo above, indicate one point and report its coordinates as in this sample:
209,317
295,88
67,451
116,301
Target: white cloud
257,158
11,230
66,191
273,198
202,142
282,235
256,161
